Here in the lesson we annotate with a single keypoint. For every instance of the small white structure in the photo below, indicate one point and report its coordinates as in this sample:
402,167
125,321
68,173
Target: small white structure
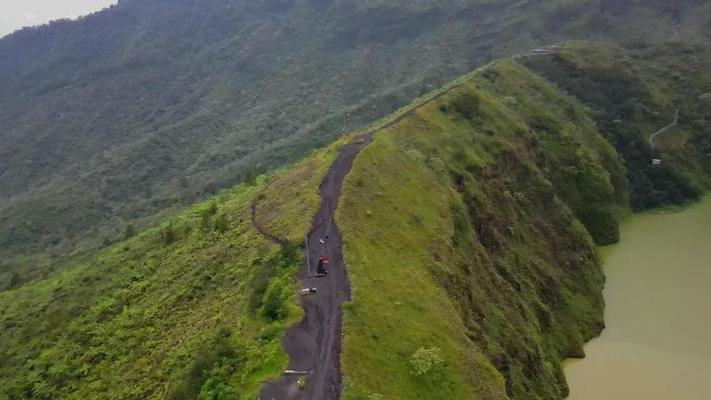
656,161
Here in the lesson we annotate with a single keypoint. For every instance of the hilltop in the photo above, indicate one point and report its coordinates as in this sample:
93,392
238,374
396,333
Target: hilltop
469,226
113,122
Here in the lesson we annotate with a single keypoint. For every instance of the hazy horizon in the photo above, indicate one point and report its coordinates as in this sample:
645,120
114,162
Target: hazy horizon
17,14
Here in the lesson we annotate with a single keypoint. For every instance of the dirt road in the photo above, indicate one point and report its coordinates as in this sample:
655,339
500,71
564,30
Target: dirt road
314,344
666,128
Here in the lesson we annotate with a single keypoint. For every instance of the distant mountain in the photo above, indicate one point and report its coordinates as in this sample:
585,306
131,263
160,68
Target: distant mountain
468,230
145,107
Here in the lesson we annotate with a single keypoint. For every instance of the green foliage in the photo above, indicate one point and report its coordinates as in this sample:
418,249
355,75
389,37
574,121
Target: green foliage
168,234
93,134
221,223
301,383
15,279
196,307
273,305
633,93
155,318
212,370
206,215
466,104
427,362
129,232
475,273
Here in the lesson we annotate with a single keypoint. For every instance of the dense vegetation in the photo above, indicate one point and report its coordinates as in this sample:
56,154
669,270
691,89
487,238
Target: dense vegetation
469,231
192,307
633,93
125,116
484,260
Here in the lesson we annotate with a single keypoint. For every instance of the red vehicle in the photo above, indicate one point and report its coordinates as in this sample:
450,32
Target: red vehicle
321,267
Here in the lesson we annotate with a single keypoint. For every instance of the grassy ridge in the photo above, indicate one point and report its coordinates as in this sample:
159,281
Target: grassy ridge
127,116
634,92
469,231
459,236
469,227
191,308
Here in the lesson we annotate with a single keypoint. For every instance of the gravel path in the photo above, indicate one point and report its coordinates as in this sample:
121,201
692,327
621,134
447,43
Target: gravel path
314,344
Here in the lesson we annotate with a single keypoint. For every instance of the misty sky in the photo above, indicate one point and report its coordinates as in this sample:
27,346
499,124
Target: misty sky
15,14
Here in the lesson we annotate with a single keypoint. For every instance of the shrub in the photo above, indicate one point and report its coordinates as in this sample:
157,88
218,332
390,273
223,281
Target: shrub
221,223
168,234
426,361
301,383
274,307
206,214
15,279
129,232
467,105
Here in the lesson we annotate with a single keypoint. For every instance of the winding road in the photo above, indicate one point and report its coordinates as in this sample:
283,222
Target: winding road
666,128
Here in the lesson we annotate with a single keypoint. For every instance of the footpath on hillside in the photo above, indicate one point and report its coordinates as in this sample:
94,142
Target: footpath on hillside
674,123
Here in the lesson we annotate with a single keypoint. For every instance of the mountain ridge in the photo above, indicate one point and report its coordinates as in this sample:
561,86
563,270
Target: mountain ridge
142,109
470,253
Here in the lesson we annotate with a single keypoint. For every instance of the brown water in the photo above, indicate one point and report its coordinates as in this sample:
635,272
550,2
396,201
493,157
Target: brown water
657,344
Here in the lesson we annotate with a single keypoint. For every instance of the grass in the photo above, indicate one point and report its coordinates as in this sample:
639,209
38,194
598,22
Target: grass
194,307
285,207
94,139
633,93
156,318
445,219
397,308
469,226
469,235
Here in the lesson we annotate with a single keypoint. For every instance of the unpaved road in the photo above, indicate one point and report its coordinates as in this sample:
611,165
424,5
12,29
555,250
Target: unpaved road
314,344
666,128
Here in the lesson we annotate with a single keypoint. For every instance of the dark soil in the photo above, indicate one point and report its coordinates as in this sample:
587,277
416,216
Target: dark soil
314,344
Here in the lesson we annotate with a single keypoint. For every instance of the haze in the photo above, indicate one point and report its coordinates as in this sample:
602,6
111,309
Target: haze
16,14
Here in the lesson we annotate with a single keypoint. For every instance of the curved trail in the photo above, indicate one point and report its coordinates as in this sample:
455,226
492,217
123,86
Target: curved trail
260,229
666,128
314,343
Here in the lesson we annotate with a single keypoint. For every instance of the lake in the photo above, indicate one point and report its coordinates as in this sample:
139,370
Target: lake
657,344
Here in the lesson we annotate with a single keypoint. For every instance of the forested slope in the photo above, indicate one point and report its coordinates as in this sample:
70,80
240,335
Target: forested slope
145,107
471,224
469,228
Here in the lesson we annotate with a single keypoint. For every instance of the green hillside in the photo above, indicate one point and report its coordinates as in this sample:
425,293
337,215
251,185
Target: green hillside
129,115
469,229
635,92
193,307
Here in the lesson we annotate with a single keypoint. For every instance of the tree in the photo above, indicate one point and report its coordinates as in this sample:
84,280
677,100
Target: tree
129,232
15,279
168,234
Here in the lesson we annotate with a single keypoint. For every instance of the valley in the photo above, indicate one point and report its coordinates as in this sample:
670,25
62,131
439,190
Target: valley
115,122
327,199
